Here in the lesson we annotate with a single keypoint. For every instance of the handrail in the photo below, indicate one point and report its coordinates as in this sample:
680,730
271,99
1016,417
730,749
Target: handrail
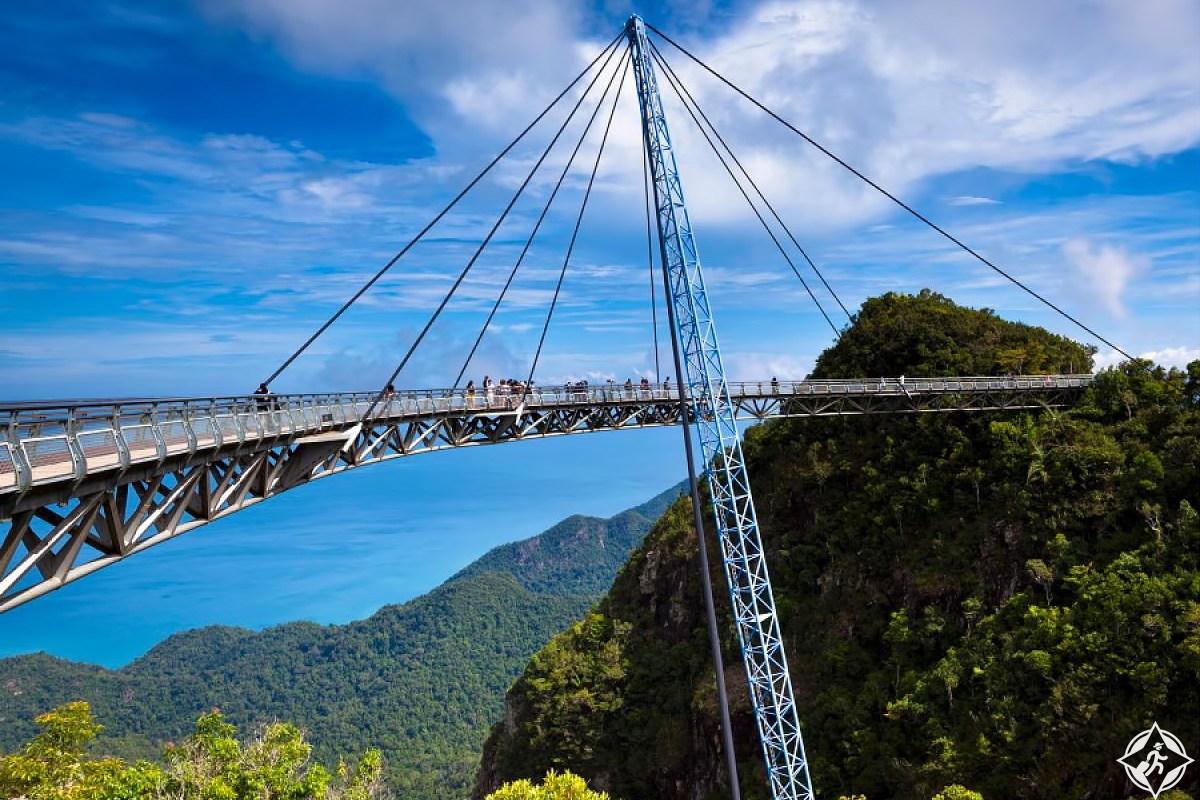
611,388
52,441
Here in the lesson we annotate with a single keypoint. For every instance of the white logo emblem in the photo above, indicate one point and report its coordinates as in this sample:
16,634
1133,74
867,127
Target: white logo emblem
1155,760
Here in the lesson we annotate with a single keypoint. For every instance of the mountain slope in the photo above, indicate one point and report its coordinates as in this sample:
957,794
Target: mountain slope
1000,601
422,680
579,555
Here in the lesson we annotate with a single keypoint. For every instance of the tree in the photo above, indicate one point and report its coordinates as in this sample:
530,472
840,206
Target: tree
52,766
211,764
957,792
565,786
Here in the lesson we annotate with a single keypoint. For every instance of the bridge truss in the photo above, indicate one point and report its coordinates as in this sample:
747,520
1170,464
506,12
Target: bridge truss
84,486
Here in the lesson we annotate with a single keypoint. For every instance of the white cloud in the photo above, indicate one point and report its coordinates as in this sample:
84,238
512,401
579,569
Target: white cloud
969,200
1173,356
764,366
475,55
111,120
908,91
1106,270
904,91
1179,357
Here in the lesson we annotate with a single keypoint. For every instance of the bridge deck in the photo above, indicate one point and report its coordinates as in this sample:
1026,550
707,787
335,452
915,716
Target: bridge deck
86,483
65,441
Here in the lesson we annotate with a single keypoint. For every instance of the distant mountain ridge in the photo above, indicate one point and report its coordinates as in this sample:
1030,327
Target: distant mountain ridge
579,555
421,680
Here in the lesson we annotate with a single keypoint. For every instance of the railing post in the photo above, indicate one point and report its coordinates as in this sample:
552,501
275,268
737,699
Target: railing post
186,416
218,434
78,460
21,463
119,438
160,441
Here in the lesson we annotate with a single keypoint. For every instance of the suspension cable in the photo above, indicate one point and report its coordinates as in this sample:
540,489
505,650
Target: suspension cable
746,196
650,261
886,193
482,246
679,85
578,221
421,234
537,226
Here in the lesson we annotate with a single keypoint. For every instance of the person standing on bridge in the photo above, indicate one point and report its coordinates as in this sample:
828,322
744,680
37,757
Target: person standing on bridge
263,395
774,385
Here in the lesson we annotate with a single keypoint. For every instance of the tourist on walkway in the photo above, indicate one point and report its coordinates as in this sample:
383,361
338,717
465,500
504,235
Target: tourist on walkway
263,395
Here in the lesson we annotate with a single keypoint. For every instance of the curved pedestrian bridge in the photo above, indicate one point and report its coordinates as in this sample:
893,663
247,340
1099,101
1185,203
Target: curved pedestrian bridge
86,483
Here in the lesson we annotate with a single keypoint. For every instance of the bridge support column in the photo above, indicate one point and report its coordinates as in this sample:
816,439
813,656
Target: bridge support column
694,334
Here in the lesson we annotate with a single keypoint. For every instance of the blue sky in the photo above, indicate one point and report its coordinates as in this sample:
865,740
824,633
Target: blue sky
190,187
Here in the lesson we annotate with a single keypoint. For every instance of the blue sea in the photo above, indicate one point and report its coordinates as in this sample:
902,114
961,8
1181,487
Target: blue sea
338,549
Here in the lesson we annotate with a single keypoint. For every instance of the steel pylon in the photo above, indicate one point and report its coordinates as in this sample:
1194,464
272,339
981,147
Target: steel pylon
733,506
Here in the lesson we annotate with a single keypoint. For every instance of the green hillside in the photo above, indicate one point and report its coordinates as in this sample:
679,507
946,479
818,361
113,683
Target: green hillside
421,681
579,555
998,601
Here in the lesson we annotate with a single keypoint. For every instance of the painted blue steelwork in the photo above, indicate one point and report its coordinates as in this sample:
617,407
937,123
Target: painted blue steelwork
737,526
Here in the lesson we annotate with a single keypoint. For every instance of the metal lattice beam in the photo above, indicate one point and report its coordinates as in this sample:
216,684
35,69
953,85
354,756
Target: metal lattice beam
83,487
745,564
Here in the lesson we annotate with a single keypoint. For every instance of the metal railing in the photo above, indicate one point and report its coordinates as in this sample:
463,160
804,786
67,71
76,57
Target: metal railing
51,441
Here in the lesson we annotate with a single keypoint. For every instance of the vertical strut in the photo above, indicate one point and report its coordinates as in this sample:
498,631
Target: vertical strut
733,507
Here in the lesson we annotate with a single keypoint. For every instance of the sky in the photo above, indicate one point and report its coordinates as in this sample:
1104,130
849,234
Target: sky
191,187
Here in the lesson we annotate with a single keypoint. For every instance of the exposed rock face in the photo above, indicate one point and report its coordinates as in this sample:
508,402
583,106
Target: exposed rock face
628,686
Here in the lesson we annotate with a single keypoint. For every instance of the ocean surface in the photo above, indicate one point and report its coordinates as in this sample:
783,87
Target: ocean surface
338,549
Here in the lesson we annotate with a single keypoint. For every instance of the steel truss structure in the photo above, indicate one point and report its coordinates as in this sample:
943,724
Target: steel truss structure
745,565
84,486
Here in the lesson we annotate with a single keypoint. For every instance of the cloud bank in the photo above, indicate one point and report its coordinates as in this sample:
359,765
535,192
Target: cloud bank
905,91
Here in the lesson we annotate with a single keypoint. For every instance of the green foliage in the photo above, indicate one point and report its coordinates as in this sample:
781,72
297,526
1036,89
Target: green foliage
928,335
957,792
211,764
52,767
421,681
556,787
992,601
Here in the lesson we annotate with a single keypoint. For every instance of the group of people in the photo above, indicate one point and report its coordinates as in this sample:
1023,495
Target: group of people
504,388
643,385
509,386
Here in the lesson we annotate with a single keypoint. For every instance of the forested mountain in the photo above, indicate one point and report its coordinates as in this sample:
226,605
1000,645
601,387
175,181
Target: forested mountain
421,681
998,601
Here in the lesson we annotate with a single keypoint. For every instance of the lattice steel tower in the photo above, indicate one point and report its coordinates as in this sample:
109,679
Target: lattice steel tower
695,340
